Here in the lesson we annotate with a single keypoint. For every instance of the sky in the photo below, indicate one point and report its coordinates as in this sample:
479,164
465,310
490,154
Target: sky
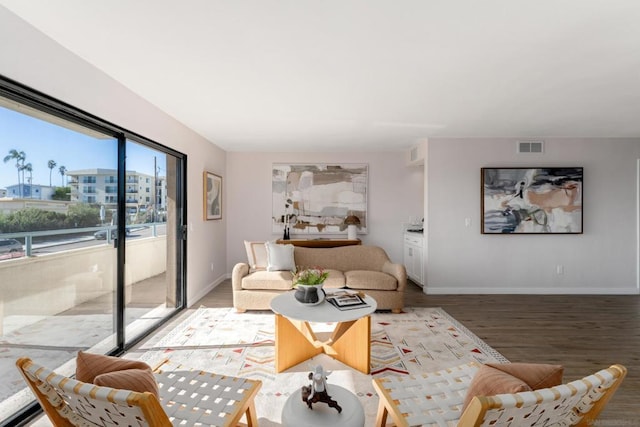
42,141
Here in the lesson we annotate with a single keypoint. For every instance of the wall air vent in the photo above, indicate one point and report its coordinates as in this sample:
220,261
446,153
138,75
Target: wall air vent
413,154
530,146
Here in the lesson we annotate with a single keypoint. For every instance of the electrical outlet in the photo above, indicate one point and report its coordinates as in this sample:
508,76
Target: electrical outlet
211,266
467,222
560,269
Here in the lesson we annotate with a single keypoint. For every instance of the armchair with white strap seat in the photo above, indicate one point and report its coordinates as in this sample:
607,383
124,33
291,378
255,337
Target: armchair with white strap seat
436,399
187,397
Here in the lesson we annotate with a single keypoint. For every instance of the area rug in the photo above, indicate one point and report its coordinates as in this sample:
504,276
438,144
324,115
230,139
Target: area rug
242,344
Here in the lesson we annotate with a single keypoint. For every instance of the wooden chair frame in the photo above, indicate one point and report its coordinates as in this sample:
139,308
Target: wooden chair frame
70,403
436,400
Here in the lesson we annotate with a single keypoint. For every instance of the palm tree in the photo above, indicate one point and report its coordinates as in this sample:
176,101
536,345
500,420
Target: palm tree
29,168
19,157
51,164
62,171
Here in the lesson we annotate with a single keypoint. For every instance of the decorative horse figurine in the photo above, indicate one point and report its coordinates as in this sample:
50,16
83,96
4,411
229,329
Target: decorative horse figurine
317,391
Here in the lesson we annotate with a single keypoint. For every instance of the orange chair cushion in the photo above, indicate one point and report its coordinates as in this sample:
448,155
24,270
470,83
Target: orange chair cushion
109,371
494,378
536,375
139,380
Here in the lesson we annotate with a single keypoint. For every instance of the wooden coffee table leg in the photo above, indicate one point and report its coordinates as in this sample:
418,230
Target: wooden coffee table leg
295,343
351,344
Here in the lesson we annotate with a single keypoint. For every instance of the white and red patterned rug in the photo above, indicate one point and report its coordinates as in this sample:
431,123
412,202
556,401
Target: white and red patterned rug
229,343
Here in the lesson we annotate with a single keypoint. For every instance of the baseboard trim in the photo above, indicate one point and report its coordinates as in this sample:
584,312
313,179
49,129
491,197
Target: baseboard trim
197,297
430,290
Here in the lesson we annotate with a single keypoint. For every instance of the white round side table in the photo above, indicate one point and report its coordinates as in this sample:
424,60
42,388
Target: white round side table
296,413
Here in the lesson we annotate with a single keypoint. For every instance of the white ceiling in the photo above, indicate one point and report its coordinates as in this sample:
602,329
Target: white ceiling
332,75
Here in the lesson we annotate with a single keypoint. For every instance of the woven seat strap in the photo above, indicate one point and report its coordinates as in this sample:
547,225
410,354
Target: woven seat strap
431,399
199,397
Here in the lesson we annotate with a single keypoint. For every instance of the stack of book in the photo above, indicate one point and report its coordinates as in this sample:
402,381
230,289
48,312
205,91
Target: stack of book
346,301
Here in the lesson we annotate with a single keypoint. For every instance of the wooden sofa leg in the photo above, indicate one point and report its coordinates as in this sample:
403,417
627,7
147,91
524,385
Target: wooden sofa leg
240,310
396,310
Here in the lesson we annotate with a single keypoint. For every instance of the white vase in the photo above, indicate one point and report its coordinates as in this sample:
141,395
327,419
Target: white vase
352,232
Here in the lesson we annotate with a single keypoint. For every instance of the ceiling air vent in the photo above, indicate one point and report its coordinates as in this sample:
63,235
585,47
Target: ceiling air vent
530,146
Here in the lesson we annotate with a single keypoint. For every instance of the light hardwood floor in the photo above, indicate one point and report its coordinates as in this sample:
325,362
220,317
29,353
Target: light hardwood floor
584,333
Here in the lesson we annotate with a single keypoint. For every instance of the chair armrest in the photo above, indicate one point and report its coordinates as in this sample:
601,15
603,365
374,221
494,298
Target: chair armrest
240,270
398,271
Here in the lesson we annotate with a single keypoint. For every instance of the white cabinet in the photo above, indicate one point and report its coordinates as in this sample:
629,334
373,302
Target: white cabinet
413,257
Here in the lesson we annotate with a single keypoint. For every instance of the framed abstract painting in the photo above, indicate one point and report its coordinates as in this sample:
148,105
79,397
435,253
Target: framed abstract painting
316,198
212,197
544,200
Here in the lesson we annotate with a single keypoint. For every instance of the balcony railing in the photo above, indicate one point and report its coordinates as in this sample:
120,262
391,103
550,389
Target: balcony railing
28,237
60,290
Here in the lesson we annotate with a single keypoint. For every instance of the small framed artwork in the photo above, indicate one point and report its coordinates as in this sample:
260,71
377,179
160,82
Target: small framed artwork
212,196
531,200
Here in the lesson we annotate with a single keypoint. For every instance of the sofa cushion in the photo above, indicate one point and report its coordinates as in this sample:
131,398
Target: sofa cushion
343,258
280,257
335,279
268,280
256,255
363,279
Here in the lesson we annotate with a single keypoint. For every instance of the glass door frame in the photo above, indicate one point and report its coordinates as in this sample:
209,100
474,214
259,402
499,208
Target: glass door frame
22,94
180,233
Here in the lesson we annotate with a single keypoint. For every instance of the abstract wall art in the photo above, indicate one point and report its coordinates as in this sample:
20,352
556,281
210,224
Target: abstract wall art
316,198
546,200
212,196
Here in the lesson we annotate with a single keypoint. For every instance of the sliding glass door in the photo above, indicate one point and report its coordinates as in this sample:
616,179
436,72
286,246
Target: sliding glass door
151,260
91,250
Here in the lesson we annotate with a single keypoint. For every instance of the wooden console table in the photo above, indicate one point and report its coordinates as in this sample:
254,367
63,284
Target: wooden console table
319,243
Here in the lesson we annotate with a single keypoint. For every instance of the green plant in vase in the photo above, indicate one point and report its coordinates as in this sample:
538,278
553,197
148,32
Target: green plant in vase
308,283
309,276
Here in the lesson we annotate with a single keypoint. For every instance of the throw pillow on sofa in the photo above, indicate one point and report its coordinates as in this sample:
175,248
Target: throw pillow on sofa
256,255
280,257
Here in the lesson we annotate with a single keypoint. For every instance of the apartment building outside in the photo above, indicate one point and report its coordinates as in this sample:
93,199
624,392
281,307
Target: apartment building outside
100,186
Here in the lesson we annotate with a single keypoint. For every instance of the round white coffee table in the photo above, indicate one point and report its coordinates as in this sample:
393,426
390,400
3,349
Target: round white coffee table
296,413
296,342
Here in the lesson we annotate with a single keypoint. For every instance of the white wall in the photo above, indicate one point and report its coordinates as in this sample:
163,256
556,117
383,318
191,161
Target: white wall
35,60
395,193
460,259
601,261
